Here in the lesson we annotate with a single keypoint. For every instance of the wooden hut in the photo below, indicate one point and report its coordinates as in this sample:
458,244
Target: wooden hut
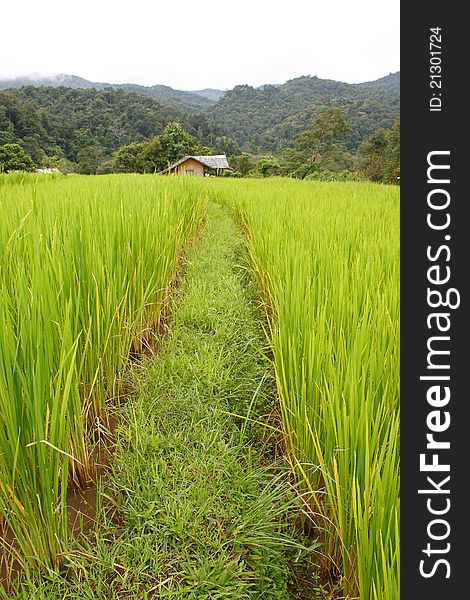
199,165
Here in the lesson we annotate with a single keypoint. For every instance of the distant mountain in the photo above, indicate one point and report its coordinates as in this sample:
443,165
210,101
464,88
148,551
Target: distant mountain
64,122
68,116
187,101
209,93
270,117
267,85
390,83
84,126
266,117
71,81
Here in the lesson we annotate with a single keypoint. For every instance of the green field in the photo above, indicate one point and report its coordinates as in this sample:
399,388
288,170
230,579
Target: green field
291,364
327,261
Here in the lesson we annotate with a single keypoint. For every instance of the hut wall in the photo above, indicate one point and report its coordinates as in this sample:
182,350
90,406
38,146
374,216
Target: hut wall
191,165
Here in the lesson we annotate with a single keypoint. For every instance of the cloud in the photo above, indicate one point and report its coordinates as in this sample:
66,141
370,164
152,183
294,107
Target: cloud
191,46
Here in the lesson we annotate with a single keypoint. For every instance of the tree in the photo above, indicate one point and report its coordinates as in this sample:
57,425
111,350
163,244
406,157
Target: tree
379,155
392,154
337,160
326,128
150,158
89,159
125,159
158,153
14,158
291,159
268,166
243,163
65,166
174,143
372,155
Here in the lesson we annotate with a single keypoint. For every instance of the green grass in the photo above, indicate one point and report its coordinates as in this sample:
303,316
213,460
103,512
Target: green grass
205,509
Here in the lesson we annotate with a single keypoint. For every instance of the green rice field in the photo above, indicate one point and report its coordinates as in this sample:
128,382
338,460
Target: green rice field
87,268
327,261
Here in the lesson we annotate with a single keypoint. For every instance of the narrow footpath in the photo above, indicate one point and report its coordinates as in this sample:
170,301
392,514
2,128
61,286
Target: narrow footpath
204,507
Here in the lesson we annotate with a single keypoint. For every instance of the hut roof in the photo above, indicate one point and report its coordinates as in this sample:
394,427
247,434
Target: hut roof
218,161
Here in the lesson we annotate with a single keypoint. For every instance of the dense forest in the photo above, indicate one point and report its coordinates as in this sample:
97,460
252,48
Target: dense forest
271,117
270,130
196,101
84,127
66,123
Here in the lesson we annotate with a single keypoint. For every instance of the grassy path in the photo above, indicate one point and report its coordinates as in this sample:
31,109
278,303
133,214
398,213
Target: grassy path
203,505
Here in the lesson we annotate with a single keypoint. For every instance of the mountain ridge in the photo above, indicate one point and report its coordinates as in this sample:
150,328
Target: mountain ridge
163,94
270,117
74,123
187,100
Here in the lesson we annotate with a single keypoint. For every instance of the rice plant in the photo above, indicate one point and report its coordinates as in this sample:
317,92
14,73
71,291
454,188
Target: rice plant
327,261
85,263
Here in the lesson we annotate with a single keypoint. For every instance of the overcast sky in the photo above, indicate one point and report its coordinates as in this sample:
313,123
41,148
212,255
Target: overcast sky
192,45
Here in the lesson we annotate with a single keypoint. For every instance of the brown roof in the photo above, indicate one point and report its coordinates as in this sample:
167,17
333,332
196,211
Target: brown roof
218,161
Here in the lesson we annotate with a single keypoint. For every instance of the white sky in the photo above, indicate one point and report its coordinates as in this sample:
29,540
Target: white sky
192,45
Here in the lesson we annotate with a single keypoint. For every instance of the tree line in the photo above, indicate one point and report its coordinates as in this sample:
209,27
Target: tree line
79,130
89,131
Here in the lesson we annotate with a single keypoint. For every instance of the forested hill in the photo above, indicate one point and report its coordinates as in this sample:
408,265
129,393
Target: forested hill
390,83
80,122
62,121
209,93
272,116
191,102
83,125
